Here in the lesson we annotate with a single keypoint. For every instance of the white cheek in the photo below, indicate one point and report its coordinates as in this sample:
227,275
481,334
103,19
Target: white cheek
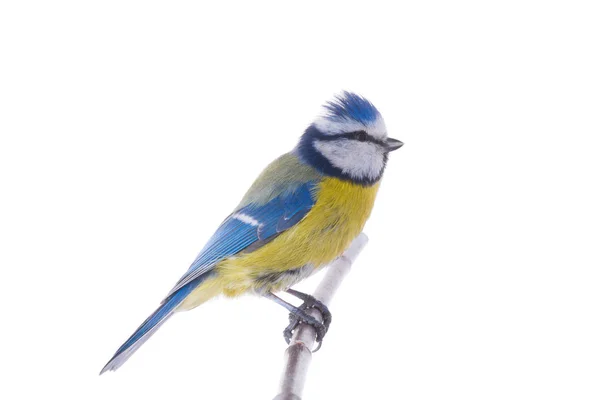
358,159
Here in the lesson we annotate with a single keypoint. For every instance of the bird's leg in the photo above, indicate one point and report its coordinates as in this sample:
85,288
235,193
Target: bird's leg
299,315
312,302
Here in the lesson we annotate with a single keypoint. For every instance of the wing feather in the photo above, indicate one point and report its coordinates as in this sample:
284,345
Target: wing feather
251,225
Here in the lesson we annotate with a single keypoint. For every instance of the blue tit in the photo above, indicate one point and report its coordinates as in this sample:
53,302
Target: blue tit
300,214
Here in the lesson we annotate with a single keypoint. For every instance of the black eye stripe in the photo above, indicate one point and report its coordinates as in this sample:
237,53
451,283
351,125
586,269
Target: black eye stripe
361,136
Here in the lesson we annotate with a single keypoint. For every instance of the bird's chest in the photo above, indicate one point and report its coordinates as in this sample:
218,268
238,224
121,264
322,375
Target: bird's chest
338,216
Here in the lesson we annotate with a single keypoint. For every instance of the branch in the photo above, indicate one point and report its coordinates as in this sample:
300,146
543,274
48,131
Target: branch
298,355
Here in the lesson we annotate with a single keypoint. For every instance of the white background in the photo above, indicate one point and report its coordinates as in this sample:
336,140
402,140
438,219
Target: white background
129,130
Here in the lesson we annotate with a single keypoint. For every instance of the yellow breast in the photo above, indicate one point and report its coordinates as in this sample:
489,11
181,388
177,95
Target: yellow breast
338,216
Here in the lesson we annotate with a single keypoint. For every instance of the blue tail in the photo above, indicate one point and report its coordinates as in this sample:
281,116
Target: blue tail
150,325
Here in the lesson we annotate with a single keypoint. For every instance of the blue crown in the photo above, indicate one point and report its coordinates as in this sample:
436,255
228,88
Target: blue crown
350,106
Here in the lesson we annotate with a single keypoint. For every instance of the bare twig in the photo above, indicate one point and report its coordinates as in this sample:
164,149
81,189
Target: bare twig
298,355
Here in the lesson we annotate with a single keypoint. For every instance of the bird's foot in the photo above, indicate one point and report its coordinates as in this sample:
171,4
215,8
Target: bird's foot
300,316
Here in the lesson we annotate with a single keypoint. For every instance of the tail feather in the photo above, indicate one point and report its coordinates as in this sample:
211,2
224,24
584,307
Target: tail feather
149,326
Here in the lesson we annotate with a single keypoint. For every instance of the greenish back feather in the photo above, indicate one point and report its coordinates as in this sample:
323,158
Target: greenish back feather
283,175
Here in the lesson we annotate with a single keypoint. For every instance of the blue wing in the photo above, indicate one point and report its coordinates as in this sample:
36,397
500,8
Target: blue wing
248,228
251,226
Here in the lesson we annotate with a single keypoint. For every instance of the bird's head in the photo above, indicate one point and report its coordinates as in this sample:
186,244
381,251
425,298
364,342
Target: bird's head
349,140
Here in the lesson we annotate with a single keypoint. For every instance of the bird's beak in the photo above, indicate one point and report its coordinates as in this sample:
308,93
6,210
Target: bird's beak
392,144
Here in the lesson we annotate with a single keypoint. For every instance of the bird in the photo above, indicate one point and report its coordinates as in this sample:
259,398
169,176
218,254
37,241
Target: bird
299,215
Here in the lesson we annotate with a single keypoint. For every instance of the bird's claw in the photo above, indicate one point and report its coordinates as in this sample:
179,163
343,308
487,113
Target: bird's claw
302,317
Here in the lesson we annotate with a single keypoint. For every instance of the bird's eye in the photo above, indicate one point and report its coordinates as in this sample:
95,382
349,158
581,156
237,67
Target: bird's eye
361,136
